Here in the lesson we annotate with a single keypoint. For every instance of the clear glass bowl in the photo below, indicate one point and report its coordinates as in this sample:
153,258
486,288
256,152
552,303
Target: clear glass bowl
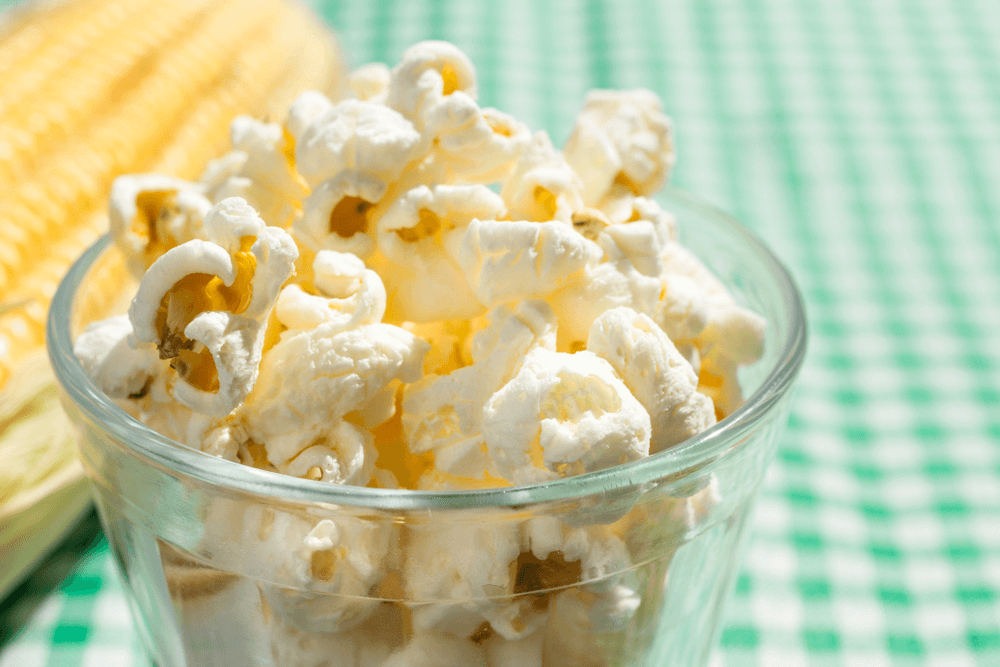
229,565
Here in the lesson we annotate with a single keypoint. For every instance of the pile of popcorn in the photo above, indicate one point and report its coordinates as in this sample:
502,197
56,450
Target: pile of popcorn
405,290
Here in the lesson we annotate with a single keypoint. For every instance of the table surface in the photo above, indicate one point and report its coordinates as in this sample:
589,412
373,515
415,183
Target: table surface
861,140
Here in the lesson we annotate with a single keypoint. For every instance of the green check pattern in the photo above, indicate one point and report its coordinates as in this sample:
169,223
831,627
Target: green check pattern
861,140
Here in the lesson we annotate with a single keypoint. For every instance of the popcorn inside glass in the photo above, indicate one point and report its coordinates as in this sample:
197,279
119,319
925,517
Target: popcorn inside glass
341,403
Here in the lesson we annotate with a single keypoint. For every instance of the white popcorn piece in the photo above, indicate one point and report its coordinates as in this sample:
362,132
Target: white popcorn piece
337,214
326,568
118,369
150,213
204,304
428,74
457,568
367,137
306,108
655,372
542,186
421,235
562,415
261,170
621,137
732,336
485,148
370,82
443,414
431,649
367,644
611,284
524,652
630,208
504,260
311,380
349,296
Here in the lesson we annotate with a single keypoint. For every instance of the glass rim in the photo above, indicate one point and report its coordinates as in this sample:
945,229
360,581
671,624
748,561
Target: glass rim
693,453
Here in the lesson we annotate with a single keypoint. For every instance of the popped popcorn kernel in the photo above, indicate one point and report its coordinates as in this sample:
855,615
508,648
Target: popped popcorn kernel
204,304
655,372
561,415
623,139
150,214
419,237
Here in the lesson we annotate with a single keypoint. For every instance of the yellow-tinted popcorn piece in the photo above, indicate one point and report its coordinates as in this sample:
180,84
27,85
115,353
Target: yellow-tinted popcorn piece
485,148
611,284
349,295
443,414
150,214
204,305
432,649
310,382
421,236
370,82
115,366
337,214
261,170
562,415
467,562
542,186
427,76
621,138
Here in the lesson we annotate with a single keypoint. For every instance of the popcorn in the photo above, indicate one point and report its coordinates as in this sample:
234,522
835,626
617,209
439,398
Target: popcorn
427,76
611,284
260,169
204,305
562,415
456,305
443,414
370,82
421,236
118,369
437,650
350,296
337,214
354,134
312,380
542,186
150,214
483,149
621,138
507,260
306,108
656,374
469,562
732,335
326,567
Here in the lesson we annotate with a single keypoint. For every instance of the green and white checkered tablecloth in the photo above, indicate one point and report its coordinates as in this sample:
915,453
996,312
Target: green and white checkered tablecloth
861,139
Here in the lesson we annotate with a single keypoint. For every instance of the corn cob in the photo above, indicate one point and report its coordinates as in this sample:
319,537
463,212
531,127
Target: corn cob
93,89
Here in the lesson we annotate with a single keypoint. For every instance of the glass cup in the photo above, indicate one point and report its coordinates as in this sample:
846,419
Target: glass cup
227,565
